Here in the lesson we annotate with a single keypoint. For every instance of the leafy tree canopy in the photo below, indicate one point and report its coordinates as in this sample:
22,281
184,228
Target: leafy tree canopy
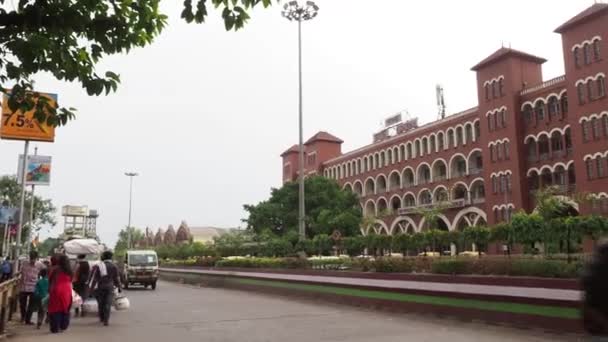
328,208
123,236
44,210
47,246
68,38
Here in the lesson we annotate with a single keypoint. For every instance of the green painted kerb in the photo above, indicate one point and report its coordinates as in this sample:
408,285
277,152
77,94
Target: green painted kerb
529,309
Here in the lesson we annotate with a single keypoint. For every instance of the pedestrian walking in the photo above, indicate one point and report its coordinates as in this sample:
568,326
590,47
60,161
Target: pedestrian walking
41,294
29,278
6,270
595,303
80,281
104,280
60,293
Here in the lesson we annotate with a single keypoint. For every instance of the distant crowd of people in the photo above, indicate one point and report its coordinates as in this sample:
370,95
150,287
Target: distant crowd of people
52,288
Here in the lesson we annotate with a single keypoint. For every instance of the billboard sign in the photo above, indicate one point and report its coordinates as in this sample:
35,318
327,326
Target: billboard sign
74,210
38,170
23,126
393,120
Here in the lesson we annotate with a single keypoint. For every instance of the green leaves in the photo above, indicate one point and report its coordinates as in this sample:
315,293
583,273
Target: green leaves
328,208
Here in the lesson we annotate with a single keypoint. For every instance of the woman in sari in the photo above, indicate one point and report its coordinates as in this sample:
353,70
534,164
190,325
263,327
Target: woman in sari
60,293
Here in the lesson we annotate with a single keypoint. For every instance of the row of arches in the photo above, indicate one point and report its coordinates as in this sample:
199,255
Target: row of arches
497,118
594,126
599,203
556,105
453,137
494,88
499,150
544,145
473,193
559,175
586,47
458,166
591,88
467,217
596,165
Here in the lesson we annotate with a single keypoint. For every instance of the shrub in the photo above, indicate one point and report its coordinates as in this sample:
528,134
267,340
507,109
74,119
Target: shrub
451,266
545,268
391,265
243,262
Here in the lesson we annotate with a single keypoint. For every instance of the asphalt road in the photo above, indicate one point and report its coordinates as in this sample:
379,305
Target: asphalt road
183,313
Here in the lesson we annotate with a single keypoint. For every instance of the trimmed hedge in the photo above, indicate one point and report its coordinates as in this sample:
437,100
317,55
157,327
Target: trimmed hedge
445,265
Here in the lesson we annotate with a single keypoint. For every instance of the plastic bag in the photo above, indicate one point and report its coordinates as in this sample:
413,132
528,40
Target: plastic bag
76,300
90,306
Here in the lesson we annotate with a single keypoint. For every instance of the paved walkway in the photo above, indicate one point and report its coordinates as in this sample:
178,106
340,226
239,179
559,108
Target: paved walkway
509,291
182,313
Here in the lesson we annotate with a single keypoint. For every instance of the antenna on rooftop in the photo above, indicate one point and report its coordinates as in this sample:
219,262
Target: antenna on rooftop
440,101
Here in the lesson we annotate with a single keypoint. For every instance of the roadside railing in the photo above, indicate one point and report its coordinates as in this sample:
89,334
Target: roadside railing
8,300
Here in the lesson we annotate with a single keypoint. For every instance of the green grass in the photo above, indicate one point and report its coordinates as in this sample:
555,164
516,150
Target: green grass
517,308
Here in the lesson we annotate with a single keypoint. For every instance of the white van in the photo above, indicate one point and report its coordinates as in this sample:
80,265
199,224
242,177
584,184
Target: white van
140,267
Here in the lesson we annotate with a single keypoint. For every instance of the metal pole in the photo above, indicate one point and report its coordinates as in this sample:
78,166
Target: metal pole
31,219
130,202
302,227
22,204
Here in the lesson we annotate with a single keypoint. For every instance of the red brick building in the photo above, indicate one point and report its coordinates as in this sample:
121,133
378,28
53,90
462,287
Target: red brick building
482,164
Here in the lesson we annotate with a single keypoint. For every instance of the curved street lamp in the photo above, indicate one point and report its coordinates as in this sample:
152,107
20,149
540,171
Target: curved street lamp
293,11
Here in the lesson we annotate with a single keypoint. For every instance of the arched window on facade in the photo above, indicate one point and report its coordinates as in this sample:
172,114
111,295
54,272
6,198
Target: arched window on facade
459,136
543,147
590,91
503,118
601,86
597,55
539,110
557,145
599,162
587,53
425,145
487,88
595,123
491,122
580,91
589,164
501,87
532,150
450,141
577,58
564,106
477,129
568,139
499,151
494,90
553,107
528,114
493,153
507,150
468,134
585,126
440,141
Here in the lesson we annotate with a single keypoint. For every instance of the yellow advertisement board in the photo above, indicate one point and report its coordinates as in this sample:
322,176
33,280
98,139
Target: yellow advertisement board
23,126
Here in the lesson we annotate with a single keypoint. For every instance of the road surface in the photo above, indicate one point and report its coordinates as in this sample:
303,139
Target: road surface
182,313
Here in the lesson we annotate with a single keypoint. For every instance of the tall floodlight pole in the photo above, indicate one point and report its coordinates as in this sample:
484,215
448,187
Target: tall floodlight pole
294,11
130,175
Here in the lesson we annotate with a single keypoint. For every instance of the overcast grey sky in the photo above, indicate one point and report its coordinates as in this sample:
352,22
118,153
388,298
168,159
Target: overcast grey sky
203,114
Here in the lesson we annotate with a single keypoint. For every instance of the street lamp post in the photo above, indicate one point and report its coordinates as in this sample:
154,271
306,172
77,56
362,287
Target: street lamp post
130,175
294,11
